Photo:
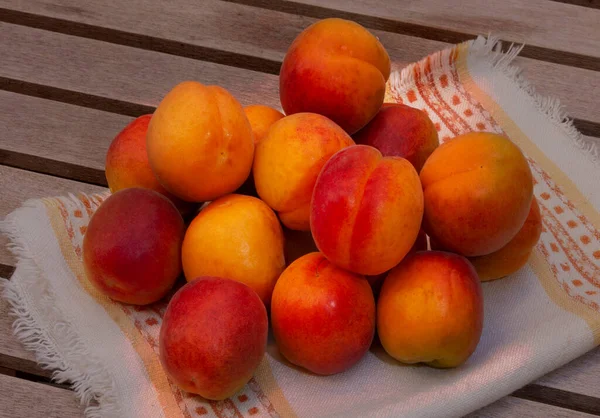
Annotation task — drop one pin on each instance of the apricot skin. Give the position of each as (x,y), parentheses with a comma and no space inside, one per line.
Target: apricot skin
(366,210)
(199,142)
(323,317)
(430,310)
(132,246)
(478,189)
(513,255)
(213,337)
(338,69)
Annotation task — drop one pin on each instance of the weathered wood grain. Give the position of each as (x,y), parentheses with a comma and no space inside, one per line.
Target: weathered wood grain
(6,258)
(584,3)
(540,23)
(509,407)
(13,356)
(234,28)
(560,398)
(582,375)
(23,399)
(117,72)
(61,135)
(58,131)
(20,185)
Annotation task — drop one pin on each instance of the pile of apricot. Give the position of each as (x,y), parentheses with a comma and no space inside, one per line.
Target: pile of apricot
(339,217)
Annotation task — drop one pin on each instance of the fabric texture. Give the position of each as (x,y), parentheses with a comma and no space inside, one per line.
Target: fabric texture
(536,320)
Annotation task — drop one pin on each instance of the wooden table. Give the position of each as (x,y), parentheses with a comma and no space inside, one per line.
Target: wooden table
(74,72)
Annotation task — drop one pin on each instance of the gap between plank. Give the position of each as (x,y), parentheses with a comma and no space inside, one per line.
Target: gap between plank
(264,65)
(94,176)
(561,398)
(90,101)
(594,4)
(420,31)
(6,271)
(53,168)
(45,380)
(122,107)
(588,128)
(134,40)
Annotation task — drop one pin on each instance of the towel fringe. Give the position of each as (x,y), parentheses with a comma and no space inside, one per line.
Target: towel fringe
(91,382)
(490,48)
(551,107)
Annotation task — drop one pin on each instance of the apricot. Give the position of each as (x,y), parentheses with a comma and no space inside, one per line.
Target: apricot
(213,337)
(288,161)
(338,69)
(132,246)
(377,281)
(261,118)
(366,210)
(199,142)
(237,237)
(515,254)
(478,189)
(323,317)
(402,131)
(430,310)
(127,163)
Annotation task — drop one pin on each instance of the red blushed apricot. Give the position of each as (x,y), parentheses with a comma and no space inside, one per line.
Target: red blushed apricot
(430,310)
(288,160)
(323,317)
(127,163)
(338,69)
(213,337)
(478,189)
(366,209)
(132,246)
(401,131)
(515,254)
(200,143)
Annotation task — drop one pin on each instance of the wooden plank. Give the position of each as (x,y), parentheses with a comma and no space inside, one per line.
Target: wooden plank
(584,3)
(509,407)
(560,398)
(13,356)
(573,86)
(23,399)
(58,131)
(582,375)
(19,185)
(540,23)
(106,70)
(234,28)
(26,399)
(61,132)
